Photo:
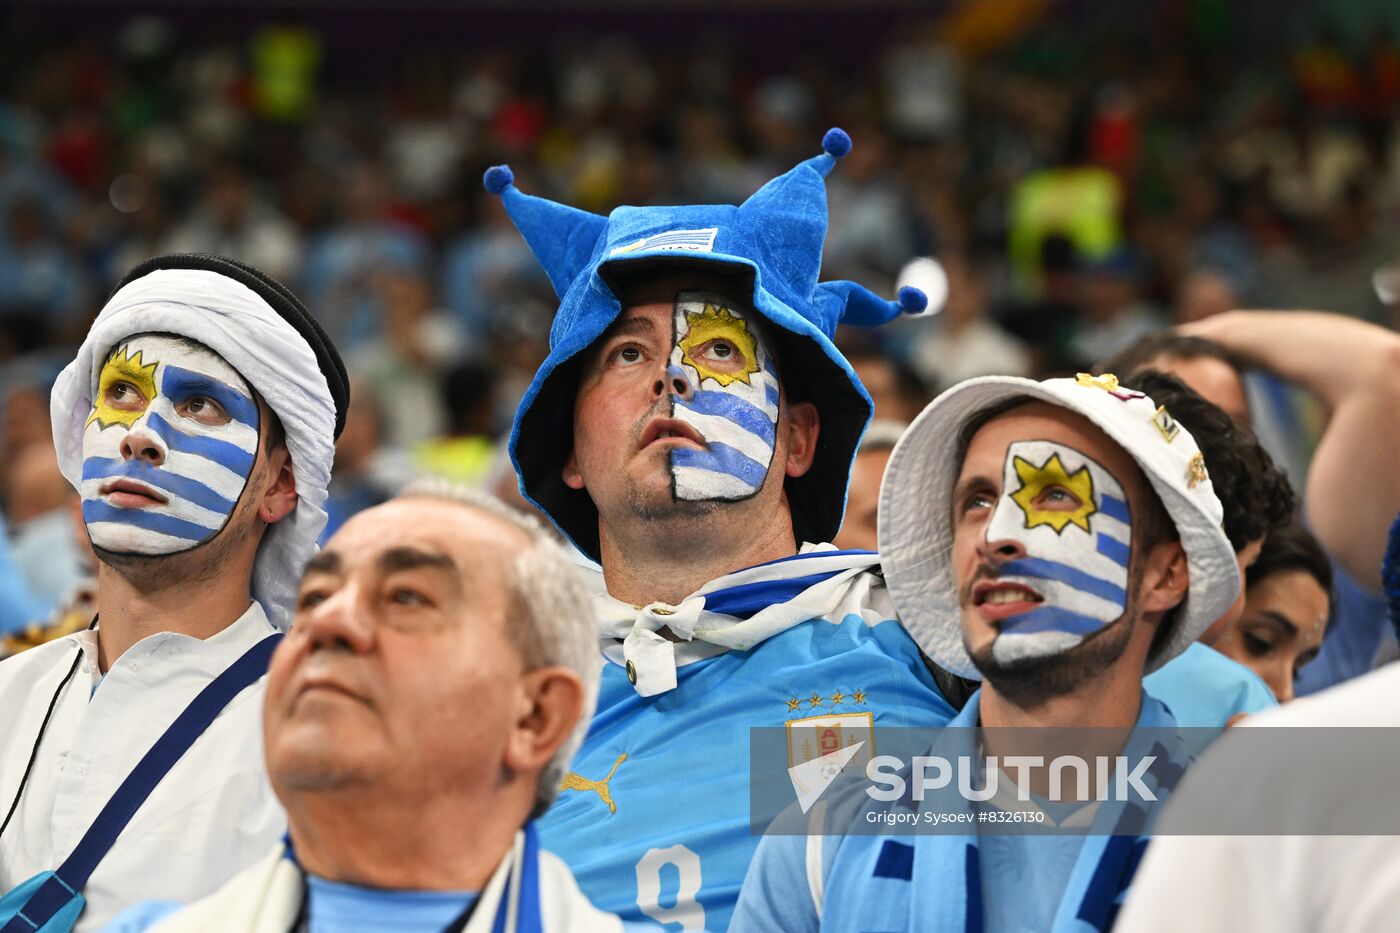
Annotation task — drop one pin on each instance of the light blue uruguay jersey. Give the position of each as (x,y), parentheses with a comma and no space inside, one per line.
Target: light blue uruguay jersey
(654,817)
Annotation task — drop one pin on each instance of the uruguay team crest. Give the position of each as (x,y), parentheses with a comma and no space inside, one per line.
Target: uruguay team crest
(817,736)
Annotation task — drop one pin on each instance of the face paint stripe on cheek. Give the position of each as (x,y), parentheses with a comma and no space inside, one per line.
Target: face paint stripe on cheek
(743,414)
(229,456)
(722,458)
(1114,550)
(1114,508)
(1052,619)
(1070,576)
(182,384)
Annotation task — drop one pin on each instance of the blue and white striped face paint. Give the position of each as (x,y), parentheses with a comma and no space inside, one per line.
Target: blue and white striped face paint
(1071,516)
(734,406)
(168,448)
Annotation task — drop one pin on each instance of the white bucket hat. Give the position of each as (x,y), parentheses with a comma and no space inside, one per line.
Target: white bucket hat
(915,524)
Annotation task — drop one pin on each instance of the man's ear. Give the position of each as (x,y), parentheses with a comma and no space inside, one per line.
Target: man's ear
(1164,577)
(570,474)
(803,428)
(280,497)
(551,699)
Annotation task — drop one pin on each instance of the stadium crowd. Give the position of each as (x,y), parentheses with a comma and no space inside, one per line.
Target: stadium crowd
(418,374)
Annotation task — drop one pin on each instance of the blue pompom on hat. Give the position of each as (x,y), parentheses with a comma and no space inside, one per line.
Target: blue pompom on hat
(773,241)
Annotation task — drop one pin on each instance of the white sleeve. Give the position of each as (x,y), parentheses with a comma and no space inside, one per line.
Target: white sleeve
(1212,884)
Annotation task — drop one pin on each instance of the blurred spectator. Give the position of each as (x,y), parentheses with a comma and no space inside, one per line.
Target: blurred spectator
(1114,311)
(24,422)
(483,268)
(231,219)
(863,497)
(465,454)
(1288,591)
(1081,203)
(365,472)
(401,366)
(1204,293)
(17,607)
(39,507)
(898,391)
(875,235)
(342,262)
(1205,366)
(38,274)
(964,341)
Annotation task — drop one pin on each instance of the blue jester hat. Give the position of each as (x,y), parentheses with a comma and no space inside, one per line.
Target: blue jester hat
(773,241)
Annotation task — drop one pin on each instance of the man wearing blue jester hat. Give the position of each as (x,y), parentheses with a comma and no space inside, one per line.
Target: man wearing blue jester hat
(1052,540)
(692,430)
(197,424)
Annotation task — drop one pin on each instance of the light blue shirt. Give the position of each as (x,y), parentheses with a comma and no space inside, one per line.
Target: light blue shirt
(1205,689)
(671,841)
(1024,878)
(1360,624)
(336,908)
(18,607)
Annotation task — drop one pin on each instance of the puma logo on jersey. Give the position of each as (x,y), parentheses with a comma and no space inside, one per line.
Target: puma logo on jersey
(575,781)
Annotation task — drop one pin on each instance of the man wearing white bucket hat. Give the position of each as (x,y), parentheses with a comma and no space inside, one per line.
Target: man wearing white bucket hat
(1057,540)
(197,423)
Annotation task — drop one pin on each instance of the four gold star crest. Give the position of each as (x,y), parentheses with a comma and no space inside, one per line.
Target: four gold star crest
(794,704)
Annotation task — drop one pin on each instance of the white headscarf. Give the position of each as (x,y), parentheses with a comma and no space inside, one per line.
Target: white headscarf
(235,322)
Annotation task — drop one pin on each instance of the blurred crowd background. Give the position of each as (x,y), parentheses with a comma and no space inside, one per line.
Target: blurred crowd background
(1084,174)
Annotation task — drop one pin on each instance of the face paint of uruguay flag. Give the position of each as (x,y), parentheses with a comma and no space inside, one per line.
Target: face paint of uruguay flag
(191,430)
(1071,516)
(734,406)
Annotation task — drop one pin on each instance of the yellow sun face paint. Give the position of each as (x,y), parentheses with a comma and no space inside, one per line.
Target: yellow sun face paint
(717,324)
(123,367)
(1037,481)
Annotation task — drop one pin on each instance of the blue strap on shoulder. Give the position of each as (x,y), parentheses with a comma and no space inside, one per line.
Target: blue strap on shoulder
(528,918)
(62,887)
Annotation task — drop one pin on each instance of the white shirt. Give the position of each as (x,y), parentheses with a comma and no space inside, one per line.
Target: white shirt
(212,815)
(1280,884)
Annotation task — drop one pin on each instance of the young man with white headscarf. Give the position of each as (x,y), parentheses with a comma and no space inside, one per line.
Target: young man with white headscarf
(197,423)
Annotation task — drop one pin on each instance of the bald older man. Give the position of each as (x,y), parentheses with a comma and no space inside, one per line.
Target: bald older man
(438,676)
